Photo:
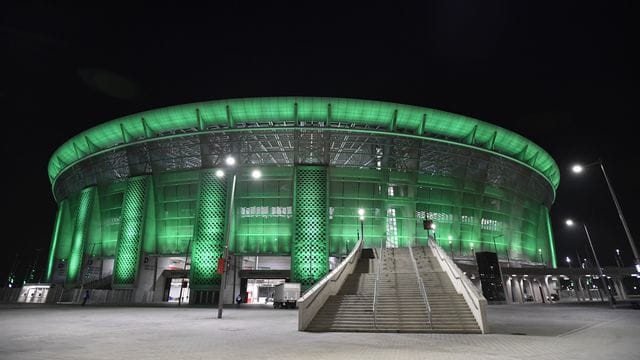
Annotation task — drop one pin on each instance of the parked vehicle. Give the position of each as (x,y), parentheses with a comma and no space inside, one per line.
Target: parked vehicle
(286,295)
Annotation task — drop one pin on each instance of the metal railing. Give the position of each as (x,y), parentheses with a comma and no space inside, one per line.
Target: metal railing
(329,285)
(458,276)
(375,287)
(471,294)
(423,290)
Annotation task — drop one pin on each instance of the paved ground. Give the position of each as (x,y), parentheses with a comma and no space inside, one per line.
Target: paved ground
(531,331)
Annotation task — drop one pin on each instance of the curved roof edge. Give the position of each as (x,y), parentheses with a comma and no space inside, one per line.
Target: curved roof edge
(295,111)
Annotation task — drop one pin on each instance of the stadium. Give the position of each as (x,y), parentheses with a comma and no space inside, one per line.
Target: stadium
(150,203)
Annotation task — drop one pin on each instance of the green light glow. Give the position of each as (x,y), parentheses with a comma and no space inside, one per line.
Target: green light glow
(552,246)
(228,113)
(310,252)
(191,205)
(54,241)
(130,236)
(208,239)
(80,230)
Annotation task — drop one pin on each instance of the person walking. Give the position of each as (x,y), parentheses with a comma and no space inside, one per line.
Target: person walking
(85,297)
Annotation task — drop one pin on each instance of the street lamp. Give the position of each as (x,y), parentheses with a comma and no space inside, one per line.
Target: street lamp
(619,259)
(569,222)
(361,215)
(541,258)
(256,174)
(578,169)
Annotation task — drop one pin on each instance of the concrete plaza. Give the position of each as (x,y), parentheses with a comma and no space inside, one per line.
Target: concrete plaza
(540,331)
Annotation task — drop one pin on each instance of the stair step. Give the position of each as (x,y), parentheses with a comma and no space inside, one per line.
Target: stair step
(399,304)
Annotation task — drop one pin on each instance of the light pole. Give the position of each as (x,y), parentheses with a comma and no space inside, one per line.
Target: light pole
(578,169)
(184,270)
(570,222)
(541,258)
(256,174)
(619,259)
(498,259)
(361,214)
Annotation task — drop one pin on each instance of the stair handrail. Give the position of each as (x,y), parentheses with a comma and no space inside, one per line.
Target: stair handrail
(375,287)
(460,281)
(307,307)
(423,290)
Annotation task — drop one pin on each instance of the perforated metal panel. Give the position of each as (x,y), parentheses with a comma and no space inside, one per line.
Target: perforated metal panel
(310,249)
(130,234)
(208,238)
(80,229)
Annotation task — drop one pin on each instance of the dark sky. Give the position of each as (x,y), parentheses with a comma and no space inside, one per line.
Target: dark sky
(563,74)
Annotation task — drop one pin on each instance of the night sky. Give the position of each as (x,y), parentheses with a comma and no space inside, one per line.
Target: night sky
(563,74)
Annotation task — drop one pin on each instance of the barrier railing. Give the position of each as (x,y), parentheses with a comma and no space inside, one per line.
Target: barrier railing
(314,298)
(375,287)
(474,298)
(423,290)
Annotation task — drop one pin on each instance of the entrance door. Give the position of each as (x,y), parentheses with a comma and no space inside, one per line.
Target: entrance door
(178,289)
(260,291)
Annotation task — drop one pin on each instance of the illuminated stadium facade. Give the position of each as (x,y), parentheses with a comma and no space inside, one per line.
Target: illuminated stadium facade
(138,192)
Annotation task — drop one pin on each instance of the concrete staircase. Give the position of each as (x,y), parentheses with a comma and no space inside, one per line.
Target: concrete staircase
(400,307)
(450,313)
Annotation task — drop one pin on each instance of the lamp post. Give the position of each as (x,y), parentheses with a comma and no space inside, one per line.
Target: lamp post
(497,258)
(570,222)
(541,258)
(256,174)
(361,215)
(578,169)
(619,259)
(184,270)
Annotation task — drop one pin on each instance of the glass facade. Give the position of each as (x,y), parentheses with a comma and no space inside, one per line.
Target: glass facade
(163,197)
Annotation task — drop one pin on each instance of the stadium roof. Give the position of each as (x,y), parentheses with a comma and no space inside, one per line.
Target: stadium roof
(282,112)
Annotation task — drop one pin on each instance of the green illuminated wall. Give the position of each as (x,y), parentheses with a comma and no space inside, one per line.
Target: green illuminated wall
(470,214)
(176,195)
(310,250)
(264,213)
(131,232)
(81,227)
(209,236)
(110,200)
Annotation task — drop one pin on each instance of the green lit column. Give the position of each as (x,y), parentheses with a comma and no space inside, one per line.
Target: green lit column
(80,230)
(129,242)
(54,241)
(209,231)
(310,247)
(552,246)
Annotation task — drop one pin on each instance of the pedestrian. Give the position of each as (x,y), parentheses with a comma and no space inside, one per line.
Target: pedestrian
(85,297)
(239,299)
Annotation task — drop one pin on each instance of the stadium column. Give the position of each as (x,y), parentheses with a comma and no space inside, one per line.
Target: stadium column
(208,235)
(54,241)
(80,230)
(129,243)
(552,247)
(310,247)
